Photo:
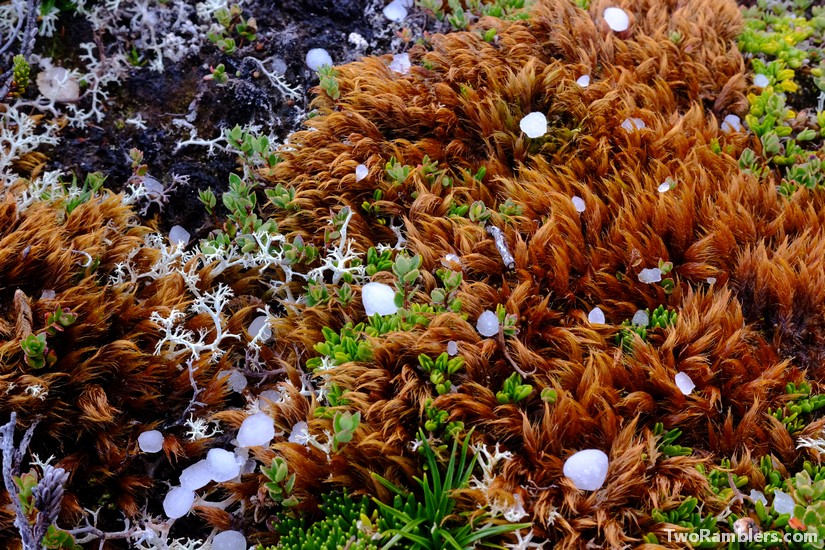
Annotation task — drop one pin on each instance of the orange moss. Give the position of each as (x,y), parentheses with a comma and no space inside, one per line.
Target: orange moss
(747,271)
(741,338)
(107,385)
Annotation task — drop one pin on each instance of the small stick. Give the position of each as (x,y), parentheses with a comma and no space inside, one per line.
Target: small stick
(501,244)
(503,344)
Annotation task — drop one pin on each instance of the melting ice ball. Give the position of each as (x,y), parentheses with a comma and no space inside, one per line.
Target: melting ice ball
(271,395)
(633,123)
(279,66)
(300,433)
(178,502)
(178,235)
(317,58)
(452,258)
(150,441)
(378,298)
(583,80)
(58,85)
(487,324)
(640,318)
(361,172)
(229,540)
(650,275)
(153,187)
(395,11)
(223,465)
(401,63)
(196,476)
(534,125)
(759,495)
(258,323)
(587,469)
(595,316)
(783,503)
(666,185)
(237,381)
(732,123)
(256,430)
(617,19)
(684,383)
(452,348)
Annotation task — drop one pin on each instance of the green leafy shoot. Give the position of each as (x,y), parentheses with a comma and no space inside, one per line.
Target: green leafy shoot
(344,425)
(280,483)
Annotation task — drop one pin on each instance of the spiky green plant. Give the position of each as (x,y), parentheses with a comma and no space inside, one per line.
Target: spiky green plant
(432,524)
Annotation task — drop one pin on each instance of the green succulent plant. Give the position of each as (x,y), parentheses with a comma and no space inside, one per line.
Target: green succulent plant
(345,524)
(440,370)
(20,72)
(785,43)
(437,421)
(803,403)
(689,517)
(344,425)
(36,352)
(810,507)
(661,317)
(667,442)
(720,478)
(513,390)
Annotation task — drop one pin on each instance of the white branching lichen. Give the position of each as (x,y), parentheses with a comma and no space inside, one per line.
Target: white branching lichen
(339,259)
(20,134)
(177,339)
(37,391)
(277,80)
(524,542)
(200,428)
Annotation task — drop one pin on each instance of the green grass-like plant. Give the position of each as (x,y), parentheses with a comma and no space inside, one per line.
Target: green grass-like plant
(433,525)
